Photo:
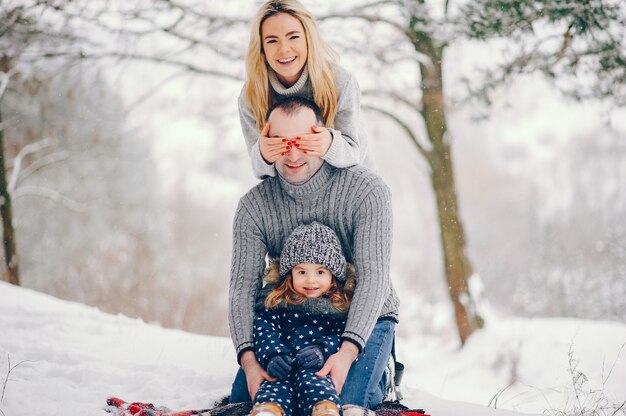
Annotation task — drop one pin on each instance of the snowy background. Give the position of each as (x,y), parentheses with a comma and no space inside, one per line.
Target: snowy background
(61,358)
(147,164)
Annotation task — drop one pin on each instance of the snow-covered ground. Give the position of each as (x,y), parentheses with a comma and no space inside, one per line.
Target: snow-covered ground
(526,365)
(61,358)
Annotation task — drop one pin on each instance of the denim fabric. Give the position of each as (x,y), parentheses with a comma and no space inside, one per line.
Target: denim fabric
(366,382)
(239,390)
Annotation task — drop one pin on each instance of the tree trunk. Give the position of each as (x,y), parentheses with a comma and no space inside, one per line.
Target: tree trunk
(12,274)
(458,268)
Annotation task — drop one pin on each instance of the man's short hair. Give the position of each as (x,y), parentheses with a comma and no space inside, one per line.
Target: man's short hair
(291,105)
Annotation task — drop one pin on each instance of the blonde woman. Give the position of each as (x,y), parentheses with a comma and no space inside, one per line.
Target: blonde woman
(287,57)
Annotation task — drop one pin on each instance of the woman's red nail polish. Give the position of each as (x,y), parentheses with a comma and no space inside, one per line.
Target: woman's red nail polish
(282,154)
(297,145)
(304,151)
(284,140)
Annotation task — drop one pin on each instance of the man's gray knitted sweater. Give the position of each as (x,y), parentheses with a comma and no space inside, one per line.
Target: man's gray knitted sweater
(355,203)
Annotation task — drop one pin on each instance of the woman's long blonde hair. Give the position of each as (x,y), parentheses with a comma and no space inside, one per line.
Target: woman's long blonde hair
(338,295)
(258,92)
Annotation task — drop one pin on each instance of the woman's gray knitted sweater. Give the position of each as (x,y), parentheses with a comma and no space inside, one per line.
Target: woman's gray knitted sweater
(355,203)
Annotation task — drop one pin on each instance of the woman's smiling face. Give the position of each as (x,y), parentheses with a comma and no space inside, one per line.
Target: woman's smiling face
(284,46)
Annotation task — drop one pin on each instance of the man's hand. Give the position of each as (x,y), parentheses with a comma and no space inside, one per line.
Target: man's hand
(272,148)
(255,374)
(316,143)
(339,364)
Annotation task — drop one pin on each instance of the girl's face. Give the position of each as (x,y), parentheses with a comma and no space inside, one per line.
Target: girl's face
(284,46)
(311,280)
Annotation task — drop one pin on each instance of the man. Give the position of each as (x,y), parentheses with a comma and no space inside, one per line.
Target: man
(356,204)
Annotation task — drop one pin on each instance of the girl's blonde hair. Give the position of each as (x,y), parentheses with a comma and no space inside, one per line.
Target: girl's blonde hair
(257,89)
(339,296)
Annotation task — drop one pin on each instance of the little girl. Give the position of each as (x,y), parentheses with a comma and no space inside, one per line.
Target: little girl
(287,56)
(292,345)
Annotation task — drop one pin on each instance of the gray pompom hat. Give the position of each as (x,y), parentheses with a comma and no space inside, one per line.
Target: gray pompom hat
(313,243)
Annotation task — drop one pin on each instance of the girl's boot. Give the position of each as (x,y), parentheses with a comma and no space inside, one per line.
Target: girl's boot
(267,409)
(325,408)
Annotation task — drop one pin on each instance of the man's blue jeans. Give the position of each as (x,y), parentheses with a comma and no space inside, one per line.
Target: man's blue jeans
(366,381)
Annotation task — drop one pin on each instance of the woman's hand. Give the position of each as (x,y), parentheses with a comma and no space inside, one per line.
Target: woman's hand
(316,143)
(272,148)
(255,374)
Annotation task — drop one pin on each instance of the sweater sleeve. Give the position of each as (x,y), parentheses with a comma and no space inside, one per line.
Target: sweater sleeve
(372,255)
(267,342)
(349,144)
(251,136)
(247,264)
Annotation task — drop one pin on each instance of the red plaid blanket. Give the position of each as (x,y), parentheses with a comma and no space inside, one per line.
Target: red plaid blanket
(118,407)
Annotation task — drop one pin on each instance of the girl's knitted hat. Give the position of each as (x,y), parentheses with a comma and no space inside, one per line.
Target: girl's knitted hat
(313,243)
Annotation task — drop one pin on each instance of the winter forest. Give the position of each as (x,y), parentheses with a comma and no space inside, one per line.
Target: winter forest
(124,159)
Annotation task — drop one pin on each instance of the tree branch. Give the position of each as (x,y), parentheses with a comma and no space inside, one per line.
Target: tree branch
(40,164)
(5,124)
(25,151)
(202,16)
(425,153)
(395,97)
(349,14)
(9,19)
(51,194)
(4,81)
(374,4)
(9,370)
(172,62)
(171,29)
(131,107)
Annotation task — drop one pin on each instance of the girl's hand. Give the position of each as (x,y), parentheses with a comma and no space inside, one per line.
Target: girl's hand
(272,148)
(279,366)
(311,357)
(316,143)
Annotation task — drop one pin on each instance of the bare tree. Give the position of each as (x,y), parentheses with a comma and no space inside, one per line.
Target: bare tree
(591,40)
(58,92)
(12,274)
(425,101)
(20,36)
(64,34)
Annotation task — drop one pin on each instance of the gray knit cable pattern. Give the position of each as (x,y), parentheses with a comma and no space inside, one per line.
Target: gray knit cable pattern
(353,202)
(313,243)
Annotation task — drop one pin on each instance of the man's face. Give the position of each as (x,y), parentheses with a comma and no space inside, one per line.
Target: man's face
(295,167)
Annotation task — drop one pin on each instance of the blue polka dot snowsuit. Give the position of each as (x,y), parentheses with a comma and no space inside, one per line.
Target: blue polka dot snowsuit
(285,331)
